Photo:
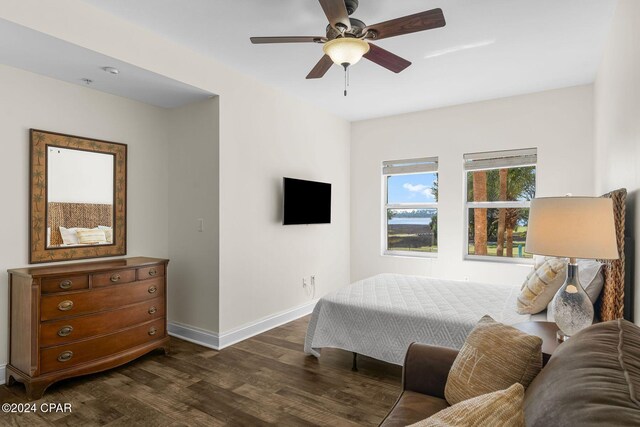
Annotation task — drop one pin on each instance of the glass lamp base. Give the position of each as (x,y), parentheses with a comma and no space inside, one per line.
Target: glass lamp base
(572,308)
(562,337)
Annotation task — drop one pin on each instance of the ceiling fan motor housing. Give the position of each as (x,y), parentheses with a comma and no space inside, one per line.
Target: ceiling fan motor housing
(357,27)
(352,5)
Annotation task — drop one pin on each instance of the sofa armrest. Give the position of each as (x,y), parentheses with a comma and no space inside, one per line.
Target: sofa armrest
(426,368)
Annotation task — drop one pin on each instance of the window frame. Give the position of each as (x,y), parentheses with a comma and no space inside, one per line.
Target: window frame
(386,206)
(497,204)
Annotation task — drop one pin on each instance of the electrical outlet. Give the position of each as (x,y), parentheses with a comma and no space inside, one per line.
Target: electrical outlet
(200,225)
(304,282)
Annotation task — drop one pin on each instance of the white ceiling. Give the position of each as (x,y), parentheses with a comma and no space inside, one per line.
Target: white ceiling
(489,48)
(33,51)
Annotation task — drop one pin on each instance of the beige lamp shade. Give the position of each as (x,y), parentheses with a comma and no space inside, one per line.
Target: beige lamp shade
(572,227)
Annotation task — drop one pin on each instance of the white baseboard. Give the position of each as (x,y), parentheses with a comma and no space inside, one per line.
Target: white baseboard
(219,341)
(3,373)
(195,335)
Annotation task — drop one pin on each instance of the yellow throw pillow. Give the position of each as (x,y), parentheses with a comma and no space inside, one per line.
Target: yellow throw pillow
(108,234)
(493,357)
(541,286)
(502,408)
(91,237)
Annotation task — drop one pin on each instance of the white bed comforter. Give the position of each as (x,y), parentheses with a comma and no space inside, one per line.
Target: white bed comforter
(380,316)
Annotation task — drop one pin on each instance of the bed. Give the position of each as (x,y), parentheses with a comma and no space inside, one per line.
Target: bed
(380,316)
(70,215)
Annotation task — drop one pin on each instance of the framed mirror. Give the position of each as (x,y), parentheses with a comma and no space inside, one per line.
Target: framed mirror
(78,198)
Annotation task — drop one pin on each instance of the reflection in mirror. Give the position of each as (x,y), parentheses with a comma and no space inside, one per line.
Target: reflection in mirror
(80,197)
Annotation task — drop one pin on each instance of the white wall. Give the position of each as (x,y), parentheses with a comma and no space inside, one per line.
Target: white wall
(559,123)
(32,101)
(194,194)
(264,135)
(262,261)
(617,117)
(76,176)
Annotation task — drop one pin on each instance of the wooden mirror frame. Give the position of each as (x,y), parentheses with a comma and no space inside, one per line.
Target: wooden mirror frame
(38,189)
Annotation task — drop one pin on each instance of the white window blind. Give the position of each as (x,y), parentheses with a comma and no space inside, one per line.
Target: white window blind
(501,159)
(423,165)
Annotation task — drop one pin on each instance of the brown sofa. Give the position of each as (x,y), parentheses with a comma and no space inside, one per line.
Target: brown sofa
(591,380)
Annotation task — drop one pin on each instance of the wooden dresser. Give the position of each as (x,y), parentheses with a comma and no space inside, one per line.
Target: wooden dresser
(76,319)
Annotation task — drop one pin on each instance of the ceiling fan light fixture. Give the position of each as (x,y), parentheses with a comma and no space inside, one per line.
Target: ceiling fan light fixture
(346,50)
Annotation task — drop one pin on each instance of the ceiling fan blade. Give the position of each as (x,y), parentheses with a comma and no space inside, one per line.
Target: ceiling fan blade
(336,12)
(386,59)
(287,39)
(409,24)
(321,68)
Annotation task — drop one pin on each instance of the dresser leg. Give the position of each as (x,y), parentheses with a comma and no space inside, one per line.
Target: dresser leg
(35,390)
(166,350)
(10,380)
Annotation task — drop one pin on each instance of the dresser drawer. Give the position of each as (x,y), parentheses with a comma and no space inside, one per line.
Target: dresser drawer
(95,300)
(68,355)
(113,278)
(149,272)
(69,330)
(64,284)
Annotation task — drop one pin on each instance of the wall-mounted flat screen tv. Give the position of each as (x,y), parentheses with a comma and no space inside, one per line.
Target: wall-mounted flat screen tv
(306,202)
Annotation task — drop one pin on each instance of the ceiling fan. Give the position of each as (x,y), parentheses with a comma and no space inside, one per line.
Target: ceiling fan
(347,39)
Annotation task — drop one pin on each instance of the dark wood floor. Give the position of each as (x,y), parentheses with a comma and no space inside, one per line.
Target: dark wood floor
(266,380)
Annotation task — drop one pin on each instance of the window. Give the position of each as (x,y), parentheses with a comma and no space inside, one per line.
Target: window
(410,211)
(499,188)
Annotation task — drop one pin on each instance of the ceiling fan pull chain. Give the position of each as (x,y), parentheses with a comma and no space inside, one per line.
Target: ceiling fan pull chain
(346,78)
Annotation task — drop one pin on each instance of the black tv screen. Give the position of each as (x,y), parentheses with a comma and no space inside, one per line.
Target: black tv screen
(306,202)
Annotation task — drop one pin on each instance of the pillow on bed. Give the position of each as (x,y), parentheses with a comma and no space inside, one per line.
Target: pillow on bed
(493,357)
(504,408)
(92,236)
(108,232)
(70,235)
(591,277)
(541,285)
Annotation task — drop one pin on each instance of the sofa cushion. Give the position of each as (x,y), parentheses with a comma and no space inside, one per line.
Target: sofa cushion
(591,380)
(493,357)
(501,408)
(412,407)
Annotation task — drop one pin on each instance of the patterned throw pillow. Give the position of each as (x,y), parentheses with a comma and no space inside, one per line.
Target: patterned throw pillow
(108,232)
(502,408)
(70,235)
(92,236)
(541,285)
(493,357)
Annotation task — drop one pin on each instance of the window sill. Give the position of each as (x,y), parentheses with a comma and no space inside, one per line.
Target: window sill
(501,260)
(402,254)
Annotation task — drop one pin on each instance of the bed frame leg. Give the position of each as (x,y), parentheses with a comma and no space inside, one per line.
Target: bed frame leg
(354,367)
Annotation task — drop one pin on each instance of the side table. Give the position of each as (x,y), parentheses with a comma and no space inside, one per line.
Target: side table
(546,331)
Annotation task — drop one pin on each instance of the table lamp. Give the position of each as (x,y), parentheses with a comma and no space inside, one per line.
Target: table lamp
(572,227)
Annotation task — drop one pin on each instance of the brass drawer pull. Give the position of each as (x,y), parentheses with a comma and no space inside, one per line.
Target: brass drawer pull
(65,305)
(65,356)
(152,310)
(153,272)
(152,331)
(66,284)
(115,277)
(65,331)
(152,289)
